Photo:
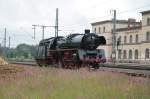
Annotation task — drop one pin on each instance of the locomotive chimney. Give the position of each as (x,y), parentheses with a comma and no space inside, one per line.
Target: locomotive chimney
(87,31)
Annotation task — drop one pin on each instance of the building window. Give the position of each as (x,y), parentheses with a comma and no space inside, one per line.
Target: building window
(125,39)
(147,54)
(119,41)
(124,54)
(104,29)
(137,38)
(130,38)
(147,36)
(95,30)
(115,39)
(99,30)
(130,54)
(136,54)
(148,21)
(119,54)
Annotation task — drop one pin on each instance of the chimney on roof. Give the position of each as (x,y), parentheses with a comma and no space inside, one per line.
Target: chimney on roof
(131,22)
(141,23)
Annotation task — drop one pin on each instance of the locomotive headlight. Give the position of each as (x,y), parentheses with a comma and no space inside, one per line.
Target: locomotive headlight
(75,57)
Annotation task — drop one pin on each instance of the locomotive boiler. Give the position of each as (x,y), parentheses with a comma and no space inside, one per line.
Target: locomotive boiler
(73,51)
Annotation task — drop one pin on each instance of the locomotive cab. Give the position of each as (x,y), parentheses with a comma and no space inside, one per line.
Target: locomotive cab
(42,52)
(45,51)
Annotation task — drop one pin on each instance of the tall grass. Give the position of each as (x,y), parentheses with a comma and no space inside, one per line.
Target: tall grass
(50,83)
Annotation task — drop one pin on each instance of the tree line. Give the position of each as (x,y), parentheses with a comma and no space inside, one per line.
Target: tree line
(22,51)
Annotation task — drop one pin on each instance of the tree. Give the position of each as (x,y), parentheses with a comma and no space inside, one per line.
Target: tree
(21,51)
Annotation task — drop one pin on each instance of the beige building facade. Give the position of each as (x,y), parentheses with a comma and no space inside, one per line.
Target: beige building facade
(132,38)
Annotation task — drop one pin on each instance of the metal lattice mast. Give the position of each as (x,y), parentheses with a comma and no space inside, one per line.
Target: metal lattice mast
(114,37)
(56,23)
(5,38)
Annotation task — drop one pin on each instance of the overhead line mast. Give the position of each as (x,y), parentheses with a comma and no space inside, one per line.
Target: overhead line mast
(5,38)
(43,26)
(56,23)
(43,29)
(114,37)
(9,41)
(34,27)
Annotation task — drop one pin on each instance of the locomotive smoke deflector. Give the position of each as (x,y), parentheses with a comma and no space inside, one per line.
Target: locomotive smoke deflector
(87,31)
(92,41)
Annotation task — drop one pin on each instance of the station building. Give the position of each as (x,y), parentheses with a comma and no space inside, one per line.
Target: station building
(133,37)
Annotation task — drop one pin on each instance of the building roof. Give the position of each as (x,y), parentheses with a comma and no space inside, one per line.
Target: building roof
(110,21)
(145,12)
(128,29)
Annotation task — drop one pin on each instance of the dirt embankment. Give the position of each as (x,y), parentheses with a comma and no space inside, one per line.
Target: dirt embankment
(6,68)
(2,61)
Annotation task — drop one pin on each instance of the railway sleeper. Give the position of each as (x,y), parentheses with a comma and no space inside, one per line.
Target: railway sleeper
(138,75)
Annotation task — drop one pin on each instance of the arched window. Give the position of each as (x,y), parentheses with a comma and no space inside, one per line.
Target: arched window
(124,54)
(136,54)
(147,36)
(95,30)
(130,54)
(99,30)
(147,54)
(104,29)
(125,39)
(119,39)
(137,38)
(130,38)
(148,21)
(119,54)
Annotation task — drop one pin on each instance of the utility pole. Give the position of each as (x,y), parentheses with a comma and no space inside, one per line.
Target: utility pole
(43,29)
(5,38)
(34,27)
(43,26)
(56,23)
(9,42)
(114,37)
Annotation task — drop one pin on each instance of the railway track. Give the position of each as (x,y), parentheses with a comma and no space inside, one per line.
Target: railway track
(142,70)
(130,72)
(129,69)
(28,63)
(129,66)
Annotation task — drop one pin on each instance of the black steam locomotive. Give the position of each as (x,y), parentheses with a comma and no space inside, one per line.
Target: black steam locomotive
(73,51)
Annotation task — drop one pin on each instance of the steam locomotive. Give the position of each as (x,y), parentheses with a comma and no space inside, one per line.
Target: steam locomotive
(73,51)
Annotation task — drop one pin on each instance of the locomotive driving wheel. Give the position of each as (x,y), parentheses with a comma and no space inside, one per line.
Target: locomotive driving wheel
(93,66)
(70,65)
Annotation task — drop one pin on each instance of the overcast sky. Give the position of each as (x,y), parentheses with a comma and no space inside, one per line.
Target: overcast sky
(74,16)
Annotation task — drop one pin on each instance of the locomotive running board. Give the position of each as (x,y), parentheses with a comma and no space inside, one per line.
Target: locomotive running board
(63,50)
